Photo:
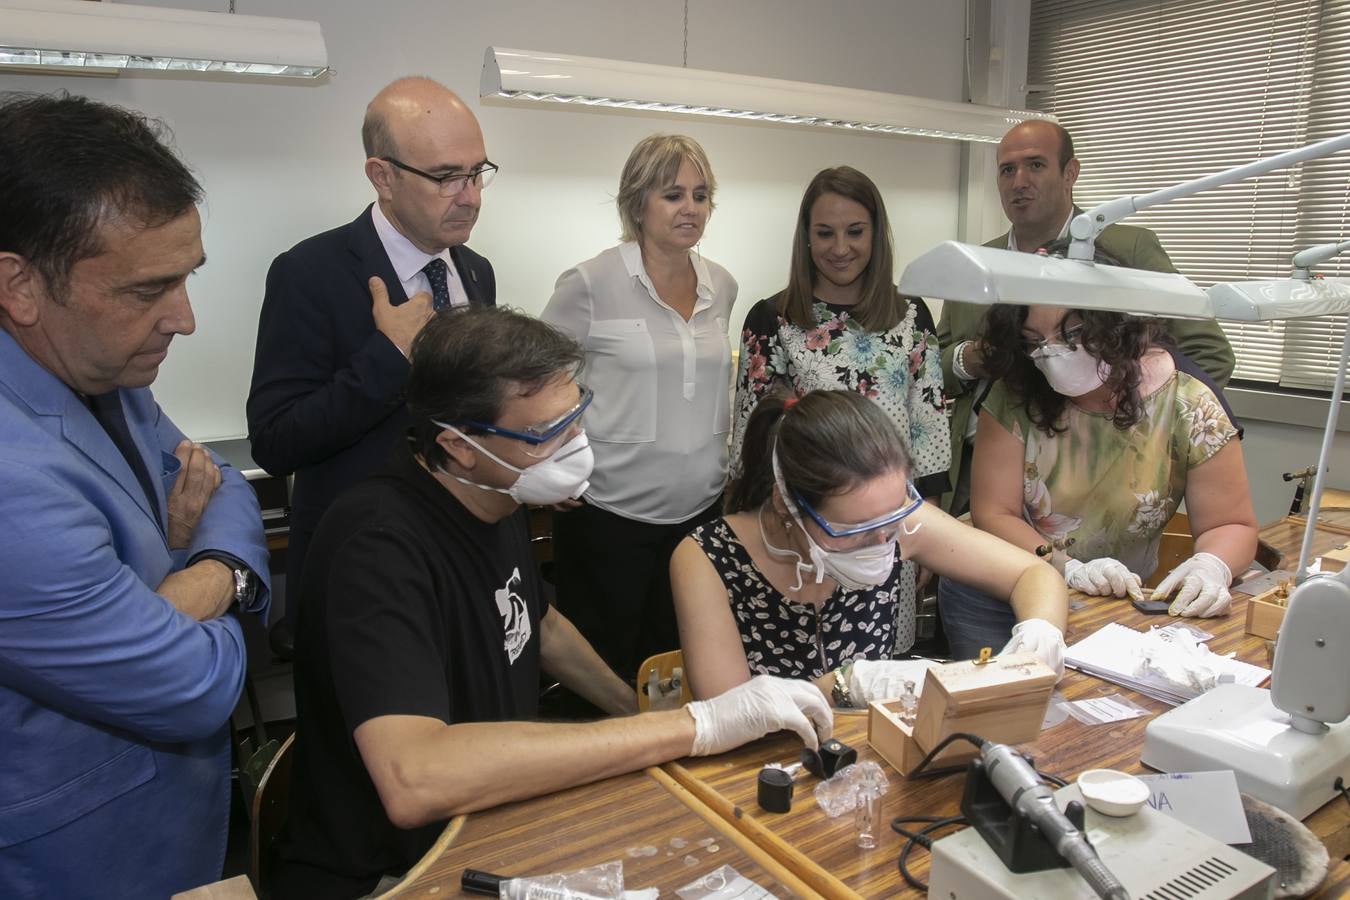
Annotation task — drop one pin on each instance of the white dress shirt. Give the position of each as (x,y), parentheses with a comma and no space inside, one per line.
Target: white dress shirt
(662,408)
(408,261)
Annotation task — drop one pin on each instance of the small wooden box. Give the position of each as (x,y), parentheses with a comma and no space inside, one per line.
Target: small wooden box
(894,741)
(1265,614)
(1003,700)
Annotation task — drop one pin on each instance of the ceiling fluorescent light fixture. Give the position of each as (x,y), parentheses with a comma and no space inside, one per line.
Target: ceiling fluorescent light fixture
(78,37)
(528,76)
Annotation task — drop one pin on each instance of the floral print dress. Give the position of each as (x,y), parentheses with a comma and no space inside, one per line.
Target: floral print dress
(794,640)
(1113,490)
(901,369)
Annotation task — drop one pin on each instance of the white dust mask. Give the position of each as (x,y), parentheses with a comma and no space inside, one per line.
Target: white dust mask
(563,476)
(855,569)
(1074,373)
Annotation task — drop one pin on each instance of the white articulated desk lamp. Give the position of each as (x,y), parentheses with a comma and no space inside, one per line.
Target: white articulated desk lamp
(1287,745)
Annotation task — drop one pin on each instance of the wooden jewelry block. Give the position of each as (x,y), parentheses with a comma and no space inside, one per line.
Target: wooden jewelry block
(894,741)
(1265,611)
(1003,699)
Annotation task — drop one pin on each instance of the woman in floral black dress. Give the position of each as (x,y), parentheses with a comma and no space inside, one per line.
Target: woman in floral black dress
(802,577)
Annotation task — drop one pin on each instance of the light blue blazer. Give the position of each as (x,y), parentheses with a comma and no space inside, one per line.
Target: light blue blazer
(114,750)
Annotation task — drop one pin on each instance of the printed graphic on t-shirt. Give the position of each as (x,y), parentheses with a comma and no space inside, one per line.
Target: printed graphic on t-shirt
(515,618)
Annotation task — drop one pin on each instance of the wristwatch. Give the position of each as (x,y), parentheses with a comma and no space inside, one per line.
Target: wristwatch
(245,582)
(245,586)
(840,694)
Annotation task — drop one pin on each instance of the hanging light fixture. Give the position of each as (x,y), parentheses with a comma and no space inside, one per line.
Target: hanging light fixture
(529,76)
(75,37)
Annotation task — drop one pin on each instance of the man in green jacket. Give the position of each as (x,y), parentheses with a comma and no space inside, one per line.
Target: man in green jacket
(1036,174)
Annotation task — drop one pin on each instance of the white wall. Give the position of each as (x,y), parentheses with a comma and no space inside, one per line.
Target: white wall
(1272,448)
(281,162)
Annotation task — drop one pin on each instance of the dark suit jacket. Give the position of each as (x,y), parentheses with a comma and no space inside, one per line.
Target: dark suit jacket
(327,397)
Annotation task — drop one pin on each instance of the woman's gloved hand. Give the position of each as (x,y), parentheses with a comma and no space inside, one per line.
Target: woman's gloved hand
(1103,577)
(884,679)
(1203,581)
(1041,638)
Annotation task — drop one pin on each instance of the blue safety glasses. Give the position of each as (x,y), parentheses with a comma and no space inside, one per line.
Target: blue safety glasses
(542,441)
(839,531)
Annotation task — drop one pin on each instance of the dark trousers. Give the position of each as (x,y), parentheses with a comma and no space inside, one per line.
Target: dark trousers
(613,579)
(973,620)
(961,490)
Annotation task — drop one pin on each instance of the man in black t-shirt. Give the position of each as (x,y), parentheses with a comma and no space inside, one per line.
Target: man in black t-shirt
(423,626)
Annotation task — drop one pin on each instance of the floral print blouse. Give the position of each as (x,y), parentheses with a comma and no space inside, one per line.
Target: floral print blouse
(901,369)
(795,640)
(1113,490)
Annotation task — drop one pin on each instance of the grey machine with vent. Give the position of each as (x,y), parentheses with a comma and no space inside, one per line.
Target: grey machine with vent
(1154,856)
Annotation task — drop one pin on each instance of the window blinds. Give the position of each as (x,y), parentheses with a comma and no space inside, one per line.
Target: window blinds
(1160,92)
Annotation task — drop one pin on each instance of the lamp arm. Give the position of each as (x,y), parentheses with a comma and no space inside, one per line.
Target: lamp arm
(1304,260)
(1086,226)
(1323,462)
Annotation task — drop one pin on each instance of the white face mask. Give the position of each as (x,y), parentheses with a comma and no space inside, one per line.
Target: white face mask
(563,476)
(855,569)
(1073,373)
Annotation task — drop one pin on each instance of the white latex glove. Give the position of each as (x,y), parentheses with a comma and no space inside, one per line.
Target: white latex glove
(1041,638)
(884,679)
(1103,577)
(760,706)
(1204,580)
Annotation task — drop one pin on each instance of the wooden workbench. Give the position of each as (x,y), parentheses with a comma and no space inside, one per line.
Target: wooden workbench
(804,852)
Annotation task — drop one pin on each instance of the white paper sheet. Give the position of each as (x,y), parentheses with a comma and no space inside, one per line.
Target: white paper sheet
(1110,654)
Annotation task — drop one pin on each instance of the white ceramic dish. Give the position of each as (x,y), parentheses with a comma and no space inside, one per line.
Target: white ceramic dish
(1112,793)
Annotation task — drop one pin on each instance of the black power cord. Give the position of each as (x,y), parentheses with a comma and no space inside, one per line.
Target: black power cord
(1344,791)
(923,836)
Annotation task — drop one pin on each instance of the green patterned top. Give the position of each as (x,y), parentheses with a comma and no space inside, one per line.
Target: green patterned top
(1113,490)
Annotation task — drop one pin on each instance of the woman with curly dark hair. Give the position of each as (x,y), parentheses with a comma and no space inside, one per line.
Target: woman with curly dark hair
(1086,447)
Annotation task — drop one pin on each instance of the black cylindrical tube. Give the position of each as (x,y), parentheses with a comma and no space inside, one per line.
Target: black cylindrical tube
(775,790)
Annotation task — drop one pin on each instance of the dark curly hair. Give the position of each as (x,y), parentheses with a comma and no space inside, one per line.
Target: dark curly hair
(1117,339)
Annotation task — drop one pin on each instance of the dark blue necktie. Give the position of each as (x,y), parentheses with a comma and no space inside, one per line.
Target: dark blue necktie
(107,409)
(440,288)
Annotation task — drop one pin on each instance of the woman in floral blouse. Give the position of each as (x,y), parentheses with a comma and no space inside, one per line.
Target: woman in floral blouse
(840,323)
(1086,448)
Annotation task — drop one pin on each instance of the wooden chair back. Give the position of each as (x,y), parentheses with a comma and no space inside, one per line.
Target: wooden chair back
(271,805)
(661,682)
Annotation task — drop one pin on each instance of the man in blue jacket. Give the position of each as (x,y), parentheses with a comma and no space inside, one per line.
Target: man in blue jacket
(127,548)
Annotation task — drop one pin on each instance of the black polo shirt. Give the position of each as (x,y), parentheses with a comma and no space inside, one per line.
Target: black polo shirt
(411,606)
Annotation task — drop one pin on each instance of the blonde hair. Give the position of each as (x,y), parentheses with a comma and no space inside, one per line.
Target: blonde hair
(654,163)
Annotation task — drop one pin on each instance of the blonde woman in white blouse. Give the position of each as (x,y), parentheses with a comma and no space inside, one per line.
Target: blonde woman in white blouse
(652,314)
